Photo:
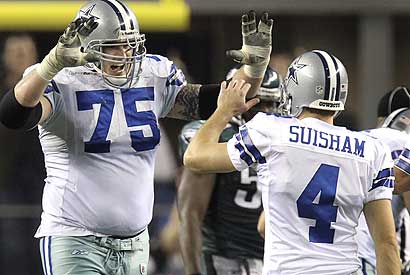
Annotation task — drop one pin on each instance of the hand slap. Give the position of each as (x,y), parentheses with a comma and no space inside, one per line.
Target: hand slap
(232,98)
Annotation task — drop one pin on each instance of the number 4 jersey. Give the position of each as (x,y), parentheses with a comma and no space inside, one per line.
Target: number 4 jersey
(315,179)
(99,145)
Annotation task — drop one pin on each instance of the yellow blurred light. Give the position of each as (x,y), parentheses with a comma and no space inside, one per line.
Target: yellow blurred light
(163,15)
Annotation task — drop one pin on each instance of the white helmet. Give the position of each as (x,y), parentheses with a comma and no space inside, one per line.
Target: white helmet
(117,26)
(317,80)
(398,120)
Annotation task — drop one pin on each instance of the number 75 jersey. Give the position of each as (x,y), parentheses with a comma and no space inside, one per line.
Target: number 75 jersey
(315,179)
(99,145)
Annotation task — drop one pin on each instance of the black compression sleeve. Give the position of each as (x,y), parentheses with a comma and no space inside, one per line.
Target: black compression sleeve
(15,116)
(208,97)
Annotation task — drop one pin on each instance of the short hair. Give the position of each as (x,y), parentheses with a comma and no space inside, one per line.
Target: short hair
(395,99)
(319,111)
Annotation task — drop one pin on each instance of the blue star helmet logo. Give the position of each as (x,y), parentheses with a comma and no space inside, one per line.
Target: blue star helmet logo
(87,13)
(293,69)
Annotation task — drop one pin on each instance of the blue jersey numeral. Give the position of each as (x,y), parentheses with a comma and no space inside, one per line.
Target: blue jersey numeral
(144,131)
(324,182)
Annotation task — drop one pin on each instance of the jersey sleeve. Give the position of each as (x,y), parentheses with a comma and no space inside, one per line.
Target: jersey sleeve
(52,94)
(403,162)
(383,176)
(251,145)
(174,80)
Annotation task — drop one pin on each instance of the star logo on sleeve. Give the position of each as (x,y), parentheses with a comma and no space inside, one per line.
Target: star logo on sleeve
(293,69)
(87,13)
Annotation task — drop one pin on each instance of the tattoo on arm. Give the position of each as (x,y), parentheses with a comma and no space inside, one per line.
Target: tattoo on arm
(186,105)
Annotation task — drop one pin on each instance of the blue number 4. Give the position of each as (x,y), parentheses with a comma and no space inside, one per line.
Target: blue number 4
(324,182)
(144,130)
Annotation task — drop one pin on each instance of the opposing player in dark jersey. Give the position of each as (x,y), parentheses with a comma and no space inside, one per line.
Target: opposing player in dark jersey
(219,212)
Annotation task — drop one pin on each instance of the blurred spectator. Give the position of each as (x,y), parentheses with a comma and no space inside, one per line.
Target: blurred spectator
(19,191)
(19,52)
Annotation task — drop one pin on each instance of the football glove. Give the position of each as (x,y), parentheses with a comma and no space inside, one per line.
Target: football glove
(68,51)
(256,44)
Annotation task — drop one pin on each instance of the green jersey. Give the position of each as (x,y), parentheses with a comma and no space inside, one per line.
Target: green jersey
(230,225)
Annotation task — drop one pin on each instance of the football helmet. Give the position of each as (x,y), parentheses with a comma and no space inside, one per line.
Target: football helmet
(398,120)
(117,26)
(317,80)
(269,92)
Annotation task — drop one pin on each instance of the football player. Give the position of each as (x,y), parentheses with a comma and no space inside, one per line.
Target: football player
(394,129)
(316,178)
(97,97)
(219,212)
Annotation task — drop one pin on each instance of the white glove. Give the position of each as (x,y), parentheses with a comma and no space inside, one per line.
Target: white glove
(68,51)
(256,44)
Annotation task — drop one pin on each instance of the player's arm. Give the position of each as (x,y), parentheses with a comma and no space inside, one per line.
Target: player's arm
(402,172)
(25,106)
(193,198)
(380,221)
(261,224)
(199,101)
(204,153)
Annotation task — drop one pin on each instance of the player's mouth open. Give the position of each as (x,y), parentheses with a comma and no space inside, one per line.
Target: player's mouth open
(117,68)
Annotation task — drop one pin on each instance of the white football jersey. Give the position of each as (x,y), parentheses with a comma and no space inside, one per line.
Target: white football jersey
(315,179)
(99,145)
(396,141)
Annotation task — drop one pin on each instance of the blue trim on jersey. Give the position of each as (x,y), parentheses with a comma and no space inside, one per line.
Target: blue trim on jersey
(56,89)
(49,89)
(396,154)
(243,154)
(172,78)
(156,58)
(383,182)
(388,172)
(406,153)
(250,146)
(404,165)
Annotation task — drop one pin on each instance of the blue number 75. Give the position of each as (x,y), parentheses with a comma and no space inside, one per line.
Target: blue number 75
(144,130)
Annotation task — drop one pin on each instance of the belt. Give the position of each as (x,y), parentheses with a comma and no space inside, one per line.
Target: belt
(128,237)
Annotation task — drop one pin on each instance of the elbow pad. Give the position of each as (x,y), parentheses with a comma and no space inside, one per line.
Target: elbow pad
(208,99)
(13,115)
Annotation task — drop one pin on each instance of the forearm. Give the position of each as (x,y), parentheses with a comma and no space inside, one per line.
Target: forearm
(190,242)
(30,89)
(402,181)
(202,151)
(255,82)
(387,258)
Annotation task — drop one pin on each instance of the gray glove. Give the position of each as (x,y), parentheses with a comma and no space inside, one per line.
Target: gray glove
(256,44)
(68,51)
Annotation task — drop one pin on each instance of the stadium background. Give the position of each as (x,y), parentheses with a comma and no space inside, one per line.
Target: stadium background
(371,37)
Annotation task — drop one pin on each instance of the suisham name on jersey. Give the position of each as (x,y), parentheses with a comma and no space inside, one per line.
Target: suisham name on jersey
(309,136)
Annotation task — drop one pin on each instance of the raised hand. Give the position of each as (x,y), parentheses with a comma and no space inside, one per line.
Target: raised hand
(232,98)
(68,51)
(256,42)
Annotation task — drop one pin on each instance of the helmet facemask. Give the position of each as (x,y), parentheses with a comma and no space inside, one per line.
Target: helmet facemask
(131,63)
